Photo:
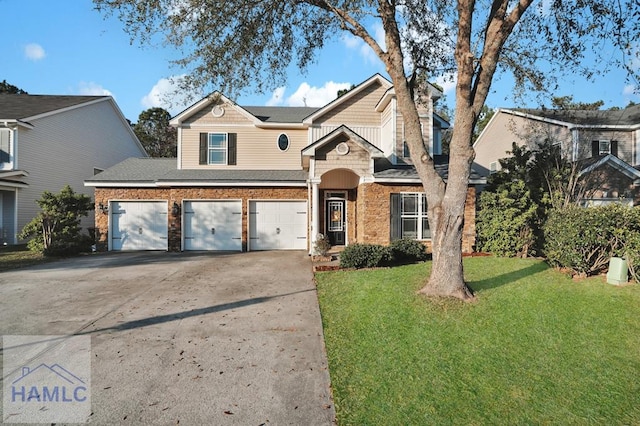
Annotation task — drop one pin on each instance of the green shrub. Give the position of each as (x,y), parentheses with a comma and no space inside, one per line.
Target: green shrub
(365,256)
(584,239)
(56,229)
(506,220)
(406,250)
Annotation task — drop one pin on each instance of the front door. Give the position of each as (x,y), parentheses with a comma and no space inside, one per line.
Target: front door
(336,223)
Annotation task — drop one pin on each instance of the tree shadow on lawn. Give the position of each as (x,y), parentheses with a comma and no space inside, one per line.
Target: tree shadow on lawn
(495,281)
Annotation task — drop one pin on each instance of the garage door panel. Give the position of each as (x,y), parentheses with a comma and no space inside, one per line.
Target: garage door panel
(213,225)
(278,225)
(137,225)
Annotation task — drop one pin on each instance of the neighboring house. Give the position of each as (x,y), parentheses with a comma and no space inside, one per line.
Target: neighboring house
(604,145)
(47,142)
(263,178)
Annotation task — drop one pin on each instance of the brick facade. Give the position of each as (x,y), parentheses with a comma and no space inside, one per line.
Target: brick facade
(177,195)
(374,204)
(368,209)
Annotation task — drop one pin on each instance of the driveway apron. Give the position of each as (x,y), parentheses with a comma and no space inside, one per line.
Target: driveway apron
(185,338)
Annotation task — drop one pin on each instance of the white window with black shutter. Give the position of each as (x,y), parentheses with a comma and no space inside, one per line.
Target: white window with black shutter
(409,216)
(604,147)
(218,148)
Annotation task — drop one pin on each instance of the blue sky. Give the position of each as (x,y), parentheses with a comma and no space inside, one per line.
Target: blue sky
(65,47)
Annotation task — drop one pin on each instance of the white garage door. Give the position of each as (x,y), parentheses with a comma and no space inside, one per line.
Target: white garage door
(213,225)
(278,225)
(139,225)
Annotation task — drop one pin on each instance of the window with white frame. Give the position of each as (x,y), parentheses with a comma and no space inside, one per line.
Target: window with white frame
(5,145)
(604,147)
(217,148)
(413,216)
(493,167)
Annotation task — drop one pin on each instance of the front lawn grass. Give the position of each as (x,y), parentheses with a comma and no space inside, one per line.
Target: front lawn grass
(19,256)
(535,348)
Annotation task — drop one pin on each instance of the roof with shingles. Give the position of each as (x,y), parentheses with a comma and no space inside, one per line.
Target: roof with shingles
(625,117)
(150,170)
(386,171)
(20,107)
(270,114)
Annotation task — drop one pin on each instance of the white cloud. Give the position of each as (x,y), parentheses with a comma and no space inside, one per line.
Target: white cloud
(89,88)
(312,96)
(277,97)
(167,94)
(447,82)
(34,52)
(357,44)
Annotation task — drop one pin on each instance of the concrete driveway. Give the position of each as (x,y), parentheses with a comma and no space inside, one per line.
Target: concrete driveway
(179,338)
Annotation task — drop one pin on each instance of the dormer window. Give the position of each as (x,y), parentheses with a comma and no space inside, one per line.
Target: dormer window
(283,142)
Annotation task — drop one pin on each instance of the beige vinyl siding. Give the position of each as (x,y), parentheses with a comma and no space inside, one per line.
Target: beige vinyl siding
(204,117)
(504,129)
(624,138)
(64,149)
(257,149)
(370,133)
(388,138)
(358,110)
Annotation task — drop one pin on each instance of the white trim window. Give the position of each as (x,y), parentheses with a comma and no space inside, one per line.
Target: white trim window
(409,216)
(217,148)
(604,147)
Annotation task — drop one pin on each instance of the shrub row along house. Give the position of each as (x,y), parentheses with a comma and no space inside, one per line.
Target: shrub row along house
(265,178)
(603,145)
(47,142)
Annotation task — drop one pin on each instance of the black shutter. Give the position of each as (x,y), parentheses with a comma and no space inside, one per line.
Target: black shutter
(204,148)
(232,142)
(614,148)
(595,148)
(395,217)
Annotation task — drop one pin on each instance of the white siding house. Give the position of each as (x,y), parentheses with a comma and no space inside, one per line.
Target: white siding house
(47,142)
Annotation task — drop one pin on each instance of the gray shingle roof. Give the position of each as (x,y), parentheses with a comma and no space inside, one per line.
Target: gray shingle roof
(384,170)
(20,107)
(625,117)
(150,170)
(280,114)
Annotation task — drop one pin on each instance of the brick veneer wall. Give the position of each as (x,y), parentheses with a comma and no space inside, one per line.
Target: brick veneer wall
(104,195)
(374,204)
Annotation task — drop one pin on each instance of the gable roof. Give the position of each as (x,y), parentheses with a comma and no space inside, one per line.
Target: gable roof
(27,107)
(620,165)
(628,117)
(376,78)
(280,114)
(343,130)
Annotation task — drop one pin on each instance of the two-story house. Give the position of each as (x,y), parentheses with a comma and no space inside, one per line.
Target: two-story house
(47,142)
(604,145)
(263,178)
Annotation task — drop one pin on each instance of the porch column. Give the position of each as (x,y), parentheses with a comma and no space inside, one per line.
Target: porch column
(315,213)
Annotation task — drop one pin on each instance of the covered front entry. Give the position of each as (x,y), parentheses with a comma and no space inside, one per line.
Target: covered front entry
(336,217)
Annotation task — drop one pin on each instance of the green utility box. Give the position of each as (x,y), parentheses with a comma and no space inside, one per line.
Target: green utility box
(618,270)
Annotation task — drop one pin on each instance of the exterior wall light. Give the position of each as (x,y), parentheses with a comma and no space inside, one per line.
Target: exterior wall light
(103,208)
(175,210)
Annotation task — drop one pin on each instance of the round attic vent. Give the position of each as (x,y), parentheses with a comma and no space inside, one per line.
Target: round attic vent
(217,111)
(342,148)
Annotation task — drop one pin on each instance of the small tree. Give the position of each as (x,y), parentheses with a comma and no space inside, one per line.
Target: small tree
(157,137)
(56,229)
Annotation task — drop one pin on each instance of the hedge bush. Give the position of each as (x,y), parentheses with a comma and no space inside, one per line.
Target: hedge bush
(406,250)
(507,220)
(584,239)
(365,256)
